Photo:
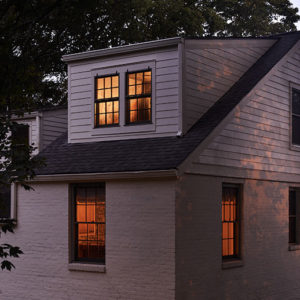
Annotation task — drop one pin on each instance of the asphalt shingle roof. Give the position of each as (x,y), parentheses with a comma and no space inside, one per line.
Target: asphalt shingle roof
(159,153)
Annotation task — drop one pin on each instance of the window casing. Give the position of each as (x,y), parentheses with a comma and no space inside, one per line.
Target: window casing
(88,223)
(107,100)
(5,202)
(130,129)
(295,95)
(294,216)
(138,97)
(231,195)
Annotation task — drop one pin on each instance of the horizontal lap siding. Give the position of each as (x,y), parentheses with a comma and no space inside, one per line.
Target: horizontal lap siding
(81,94)
(258,137)
(53,124)
(209,73)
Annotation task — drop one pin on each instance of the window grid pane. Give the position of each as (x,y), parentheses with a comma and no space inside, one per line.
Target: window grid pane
(295,116)
(138,97)
(107,101)
(292,216)
(230,222)
(89,223)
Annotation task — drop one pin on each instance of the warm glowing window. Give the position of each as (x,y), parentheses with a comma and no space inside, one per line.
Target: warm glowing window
(292,217)
(296,117)
(89,223)
(230,221)
(107,101)
(138,97)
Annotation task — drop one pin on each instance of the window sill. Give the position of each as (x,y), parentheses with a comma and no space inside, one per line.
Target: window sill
(125,129)
(87,267)
(107,126)
(294,147)
(5,221)
(230,264)
(294,247)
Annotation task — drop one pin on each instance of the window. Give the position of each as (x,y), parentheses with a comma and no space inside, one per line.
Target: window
(294,211)
(107,101)
(5,199)
(88,223)
(138,97)
(20,134)
(295,116)
(230,221)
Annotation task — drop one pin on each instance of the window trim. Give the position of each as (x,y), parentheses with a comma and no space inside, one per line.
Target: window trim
(293,246)
(292,86)
(294,216)
(238,256)
(13,205)
(122,67)
(106,100)
(127,97)
(72,214)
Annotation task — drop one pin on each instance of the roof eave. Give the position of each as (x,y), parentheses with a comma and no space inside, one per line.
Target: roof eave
(106,176)
(122,49)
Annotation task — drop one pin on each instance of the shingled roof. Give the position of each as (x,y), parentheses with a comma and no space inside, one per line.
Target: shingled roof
(159,153)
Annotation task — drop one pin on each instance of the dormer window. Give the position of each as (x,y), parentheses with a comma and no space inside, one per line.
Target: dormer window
(123,100)
(138,97)
(107,101)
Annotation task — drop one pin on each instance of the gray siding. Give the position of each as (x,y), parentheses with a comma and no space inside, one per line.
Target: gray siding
(165,96)
(211,68)
(258,136)
(53,124)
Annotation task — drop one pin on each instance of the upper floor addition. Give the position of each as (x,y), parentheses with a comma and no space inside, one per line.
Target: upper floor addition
(153,89)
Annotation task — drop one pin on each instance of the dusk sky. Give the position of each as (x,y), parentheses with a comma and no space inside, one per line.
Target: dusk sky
(297,4)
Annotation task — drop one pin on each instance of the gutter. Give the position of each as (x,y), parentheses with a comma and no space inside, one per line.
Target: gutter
(122,49)
(105,176)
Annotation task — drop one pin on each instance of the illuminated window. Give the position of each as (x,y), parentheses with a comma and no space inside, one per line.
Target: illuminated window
(296,117)
(230,221)
(88,223)
(138,97)
(107,101)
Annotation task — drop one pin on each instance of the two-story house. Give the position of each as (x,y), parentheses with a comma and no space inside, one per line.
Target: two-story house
(178,178)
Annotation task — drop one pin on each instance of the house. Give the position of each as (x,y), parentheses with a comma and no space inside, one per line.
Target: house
(178,178)
(40,128)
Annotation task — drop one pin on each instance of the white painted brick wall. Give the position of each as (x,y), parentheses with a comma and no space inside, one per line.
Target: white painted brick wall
(269,270)
(140,248)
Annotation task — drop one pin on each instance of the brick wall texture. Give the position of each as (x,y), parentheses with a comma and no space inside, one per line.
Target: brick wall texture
(140,249)
(269,270)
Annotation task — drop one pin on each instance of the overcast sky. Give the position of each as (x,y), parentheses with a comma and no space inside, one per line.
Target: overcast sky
(296,3)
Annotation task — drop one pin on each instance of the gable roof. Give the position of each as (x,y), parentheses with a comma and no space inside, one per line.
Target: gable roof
(159,153)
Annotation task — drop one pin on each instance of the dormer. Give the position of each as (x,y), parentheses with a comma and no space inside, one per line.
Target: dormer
(42,127)
(152,89)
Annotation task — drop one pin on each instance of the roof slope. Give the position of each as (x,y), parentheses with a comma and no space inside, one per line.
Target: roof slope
(159,153)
